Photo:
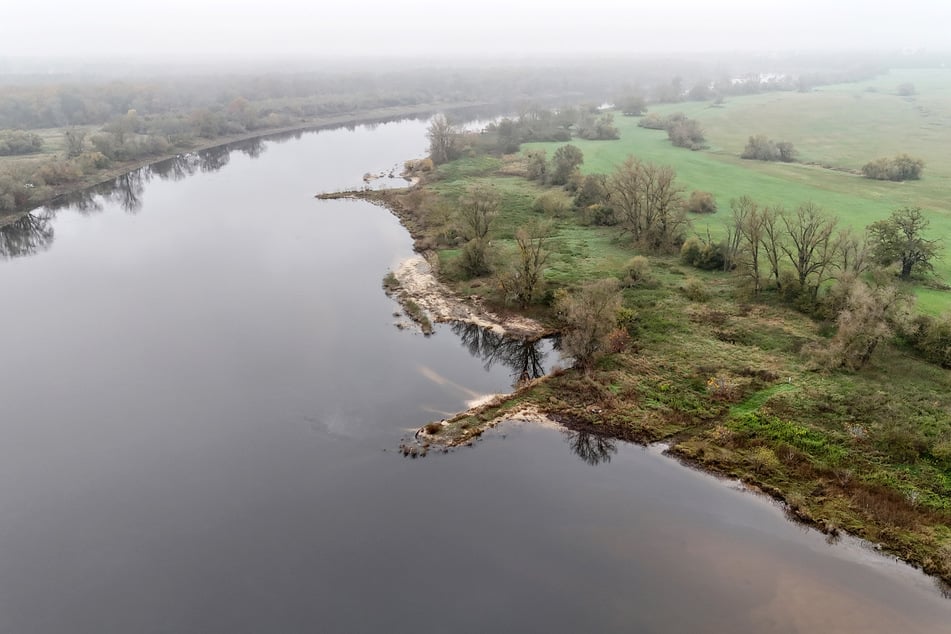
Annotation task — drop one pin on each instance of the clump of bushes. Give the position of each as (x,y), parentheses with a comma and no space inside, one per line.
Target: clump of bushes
(653,121)
(684,132)
(701,202)
(14,142)
(702,254)
(900,168)
(761,148)
(681,131)
(931,338)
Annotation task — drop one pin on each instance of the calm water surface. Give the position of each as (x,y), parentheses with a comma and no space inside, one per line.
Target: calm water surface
(202,391)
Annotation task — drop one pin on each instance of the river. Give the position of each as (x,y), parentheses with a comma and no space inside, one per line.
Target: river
(203,390)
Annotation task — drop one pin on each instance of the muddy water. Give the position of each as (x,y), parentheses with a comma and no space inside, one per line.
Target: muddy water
(202,389)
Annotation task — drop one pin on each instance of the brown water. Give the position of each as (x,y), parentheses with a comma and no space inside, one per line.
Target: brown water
(202,390)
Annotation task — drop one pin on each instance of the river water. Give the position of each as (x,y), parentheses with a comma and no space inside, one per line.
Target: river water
(202,393)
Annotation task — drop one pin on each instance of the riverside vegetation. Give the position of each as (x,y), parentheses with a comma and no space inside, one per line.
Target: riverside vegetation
(773,337)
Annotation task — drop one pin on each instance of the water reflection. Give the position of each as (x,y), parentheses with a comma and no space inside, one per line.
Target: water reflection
(526,359)
(591,448)
(127,190)
(213,159)
(27,235)
(177,167)
(34,232)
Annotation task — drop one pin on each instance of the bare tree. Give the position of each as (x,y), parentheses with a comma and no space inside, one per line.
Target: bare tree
(853,253)
(649,203)
(522,281)
(748,227)
(772,240)
(477,209)
(75,142)
(443,139)
(812,248)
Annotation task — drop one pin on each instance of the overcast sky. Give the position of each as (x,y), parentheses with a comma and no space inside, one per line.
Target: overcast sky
(247,28)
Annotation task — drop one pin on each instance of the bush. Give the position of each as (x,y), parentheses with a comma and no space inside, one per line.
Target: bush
(473,259)
(695,290)
(941,452)
(763,459)
(702,254)
(601,215)
(701,202)
(593,190)
(653,121)
(931,339)
(551,204)
(900,168)
(589,318)
(684,132)
(19,142)
(636,271)
(902,442)
(618,340)
(761,148)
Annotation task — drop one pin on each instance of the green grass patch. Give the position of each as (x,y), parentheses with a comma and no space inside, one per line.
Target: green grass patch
(842,126)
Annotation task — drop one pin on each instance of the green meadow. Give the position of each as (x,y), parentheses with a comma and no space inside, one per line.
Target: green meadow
(835,129)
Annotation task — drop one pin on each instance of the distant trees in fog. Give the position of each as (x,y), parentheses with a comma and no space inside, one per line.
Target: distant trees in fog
(19,142)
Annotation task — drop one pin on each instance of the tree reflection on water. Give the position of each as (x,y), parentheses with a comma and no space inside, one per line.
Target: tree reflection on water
(525,359)
(591,448)
(29,234)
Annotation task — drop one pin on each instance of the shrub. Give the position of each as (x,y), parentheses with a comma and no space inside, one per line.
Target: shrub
(473,259)
(601,215)
(626,318)
(636,271)
(618,340)
(19,142)
(702,254)
(593,190)
(903,442)
(686,133)
(551,204)
(589,317)
(763,459)
(701,202)
(941,452)
(695,290)
(761,148)
(901,168)
(653,121)
(931,338)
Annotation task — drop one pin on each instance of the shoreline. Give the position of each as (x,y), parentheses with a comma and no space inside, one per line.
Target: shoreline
(315,124)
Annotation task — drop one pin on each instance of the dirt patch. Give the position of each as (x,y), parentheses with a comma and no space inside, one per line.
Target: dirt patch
(418,284)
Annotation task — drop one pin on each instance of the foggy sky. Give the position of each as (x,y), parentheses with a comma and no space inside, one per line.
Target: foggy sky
(494,28)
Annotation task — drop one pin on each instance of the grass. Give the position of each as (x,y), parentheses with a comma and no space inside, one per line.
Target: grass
(842,126)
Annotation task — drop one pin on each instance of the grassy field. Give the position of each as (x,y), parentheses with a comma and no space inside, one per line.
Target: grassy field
(842,126)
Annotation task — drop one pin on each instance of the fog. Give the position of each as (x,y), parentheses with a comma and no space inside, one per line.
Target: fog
(110,30)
